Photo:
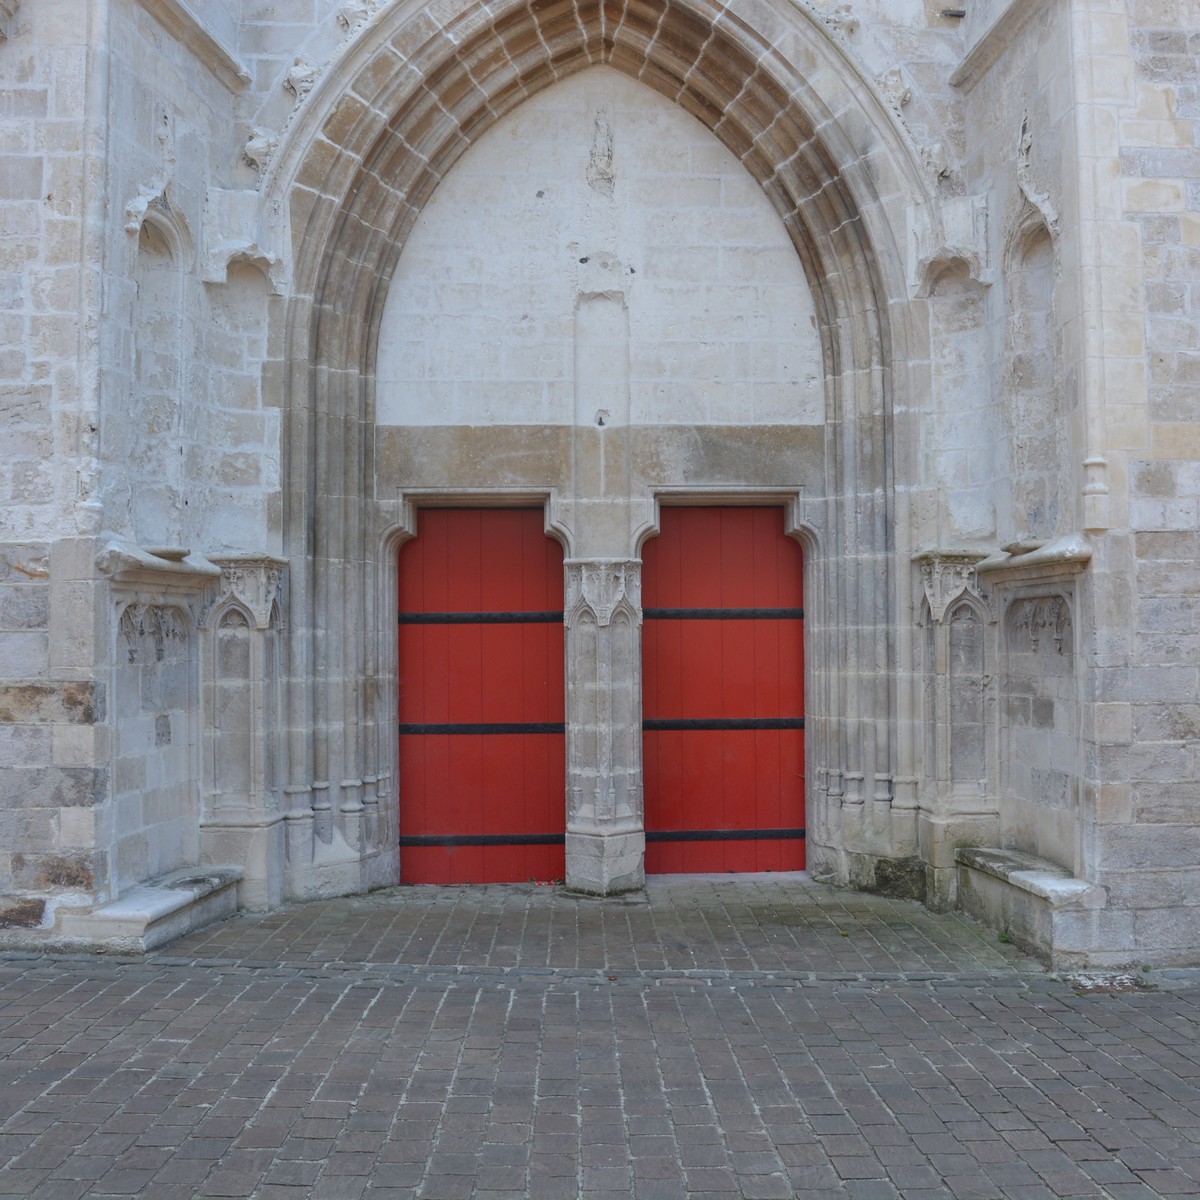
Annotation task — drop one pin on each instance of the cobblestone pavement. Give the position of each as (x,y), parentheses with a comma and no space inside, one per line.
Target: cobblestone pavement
(764,1037)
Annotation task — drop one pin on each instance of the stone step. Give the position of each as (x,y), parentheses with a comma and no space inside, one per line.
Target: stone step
(1037,903)
(153,913)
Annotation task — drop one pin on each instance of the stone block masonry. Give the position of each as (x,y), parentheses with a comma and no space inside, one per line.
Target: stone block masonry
(275,277)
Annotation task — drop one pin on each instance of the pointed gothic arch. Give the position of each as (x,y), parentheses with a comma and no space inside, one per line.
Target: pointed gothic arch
(379,132)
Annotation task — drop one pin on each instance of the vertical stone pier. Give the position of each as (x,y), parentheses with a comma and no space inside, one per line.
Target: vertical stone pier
(605,840)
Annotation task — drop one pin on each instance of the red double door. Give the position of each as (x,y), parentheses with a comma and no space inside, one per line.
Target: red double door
(723,693)
(482,768)
(482,754)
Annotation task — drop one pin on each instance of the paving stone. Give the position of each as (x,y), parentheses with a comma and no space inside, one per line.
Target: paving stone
(519,1069)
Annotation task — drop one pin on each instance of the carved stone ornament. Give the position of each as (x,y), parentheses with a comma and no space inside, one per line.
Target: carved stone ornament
(1041,624)
(8,10)
(1037,199)
(301,76)
(149,196)
(259,148)
(843,19)
(356,13)
(600,590)
(946,577)
(936,161)
(895,88)
(253,581)
(148,629)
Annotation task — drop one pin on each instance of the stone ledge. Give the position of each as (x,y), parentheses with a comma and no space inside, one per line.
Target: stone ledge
(1040,878)
(1041,906)
(151,914)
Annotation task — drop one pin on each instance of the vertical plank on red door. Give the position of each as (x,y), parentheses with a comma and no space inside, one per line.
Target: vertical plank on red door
(723,667)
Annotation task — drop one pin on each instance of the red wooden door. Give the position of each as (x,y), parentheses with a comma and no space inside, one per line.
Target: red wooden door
(723,696)
(482,769)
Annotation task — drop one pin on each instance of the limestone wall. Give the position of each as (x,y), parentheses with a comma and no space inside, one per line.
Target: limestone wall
(1148,767)
(51,696)
(272,274)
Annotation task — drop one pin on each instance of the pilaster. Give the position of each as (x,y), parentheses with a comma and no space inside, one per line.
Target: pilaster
(605,839)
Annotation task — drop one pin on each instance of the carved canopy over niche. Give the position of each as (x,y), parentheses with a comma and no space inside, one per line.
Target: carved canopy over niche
(599,591)
(947,576)
(253,582)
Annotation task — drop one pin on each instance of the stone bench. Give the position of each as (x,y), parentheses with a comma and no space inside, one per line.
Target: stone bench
(153,913)
(1041,906)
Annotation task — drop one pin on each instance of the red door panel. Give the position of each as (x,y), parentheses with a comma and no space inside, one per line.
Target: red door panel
(481,699)
(723,693)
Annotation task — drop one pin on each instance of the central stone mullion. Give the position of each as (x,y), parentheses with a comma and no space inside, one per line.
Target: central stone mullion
(606,842)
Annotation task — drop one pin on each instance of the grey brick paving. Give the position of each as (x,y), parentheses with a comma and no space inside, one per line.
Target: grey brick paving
(765,1037)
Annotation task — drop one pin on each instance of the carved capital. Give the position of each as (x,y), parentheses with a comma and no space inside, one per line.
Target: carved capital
(253,581)
(946,576)
(598,590)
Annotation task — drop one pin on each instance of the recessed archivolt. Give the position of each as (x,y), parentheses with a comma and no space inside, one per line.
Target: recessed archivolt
(420,86)
(414,99)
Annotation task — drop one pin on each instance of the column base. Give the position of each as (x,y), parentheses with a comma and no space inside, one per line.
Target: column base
(606,864)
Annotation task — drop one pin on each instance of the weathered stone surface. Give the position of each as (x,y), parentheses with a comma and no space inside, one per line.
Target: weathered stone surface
(52,872)
(45,703)
(20,912)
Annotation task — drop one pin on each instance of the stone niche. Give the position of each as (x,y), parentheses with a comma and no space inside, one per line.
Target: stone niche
(960,805)
(155,796)
(242,821)
(1033,880)
(1040,766)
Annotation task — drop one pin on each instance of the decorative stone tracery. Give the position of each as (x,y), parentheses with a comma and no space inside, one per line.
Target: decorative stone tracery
(149,630)
(948,576)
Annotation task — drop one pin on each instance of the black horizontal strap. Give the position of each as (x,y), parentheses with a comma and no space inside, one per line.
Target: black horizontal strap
(661,726)
(480,618)
(724,835)
(484,839)
(493,727)
(723,614)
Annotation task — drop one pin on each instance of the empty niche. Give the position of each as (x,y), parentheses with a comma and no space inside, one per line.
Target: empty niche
(1040,763)
(1035,419)
(154,461)
(968,726)
(930,693)
(234,718)
(231,476)
(963,454)
(155,822)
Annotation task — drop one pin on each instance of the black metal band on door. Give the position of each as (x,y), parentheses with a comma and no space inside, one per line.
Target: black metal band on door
(479,618)
(485,839)
(468,729)
(725,835)
(723,614)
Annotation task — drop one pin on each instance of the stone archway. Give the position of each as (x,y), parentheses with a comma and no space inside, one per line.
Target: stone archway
(383,130)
